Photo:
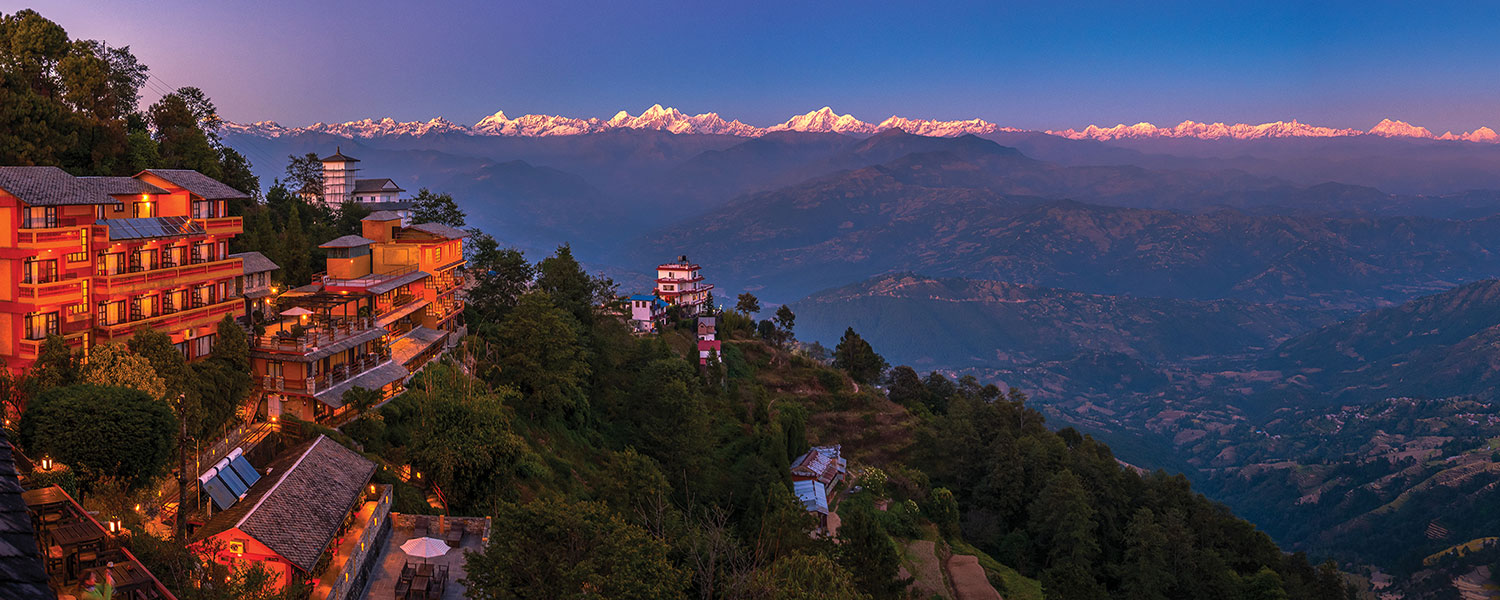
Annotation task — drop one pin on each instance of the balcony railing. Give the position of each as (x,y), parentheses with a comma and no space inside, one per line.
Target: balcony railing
(29,349)
(69,288)
(192,317)
(315,336)
(169,276)
(222,225)
(47,238)
(338,374)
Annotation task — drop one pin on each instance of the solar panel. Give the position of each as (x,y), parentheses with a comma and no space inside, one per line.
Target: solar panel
(223,498)
(242,467)
(151,227)
(226,474)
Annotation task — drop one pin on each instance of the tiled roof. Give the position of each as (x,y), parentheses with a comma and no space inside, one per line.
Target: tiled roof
(22,576)
(348,241)
(199,184)
(301,501)
(441,230)
(382,215)
(123,186)
(50,186)
(255,262)
(375,185)
(326,350)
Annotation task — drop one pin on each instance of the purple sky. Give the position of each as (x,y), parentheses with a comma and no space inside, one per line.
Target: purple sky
(1033,64)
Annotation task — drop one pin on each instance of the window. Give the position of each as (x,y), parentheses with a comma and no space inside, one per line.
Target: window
(182,348)
(38,217)
(201,252)
(273,368)
(203,345)
(145,209)
(77,309)
(110,263)
(223,250)
(142,260)
(174,256)
(41,325)
(203,210)
(39,271)
(437,254)
(76,257)
(111,313)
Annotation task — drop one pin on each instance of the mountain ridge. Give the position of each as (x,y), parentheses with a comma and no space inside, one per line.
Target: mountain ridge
(827,120)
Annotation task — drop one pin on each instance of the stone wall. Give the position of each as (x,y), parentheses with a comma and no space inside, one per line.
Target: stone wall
(365,557)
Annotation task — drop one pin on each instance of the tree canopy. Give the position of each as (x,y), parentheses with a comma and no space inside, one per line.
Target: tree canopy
(101,431)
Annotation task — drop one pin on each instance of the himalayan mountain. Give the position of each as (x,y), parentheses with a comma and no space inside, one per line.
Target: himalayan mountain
(1252,305)
(827,120)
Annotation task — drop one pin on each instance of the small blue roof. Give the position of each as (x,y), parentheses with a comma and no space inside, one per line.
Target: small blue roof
(647,298)
(813,495)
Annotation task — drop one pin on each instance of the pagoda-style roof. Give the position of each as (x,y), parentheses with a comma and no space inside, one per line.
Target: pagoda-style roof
(255,262)
(382,215)
(441,230)
(385,184)
(338,156)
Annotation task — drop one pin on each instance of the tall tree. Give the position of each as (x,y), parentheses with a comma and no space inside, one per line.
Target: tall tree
(304,175)
(868,552)
(56,365)
(1146,574)
(855,356)
(430,207)
(542,355)
(561,277)
(115,364)
(500,276)
(184,144)
(747,303)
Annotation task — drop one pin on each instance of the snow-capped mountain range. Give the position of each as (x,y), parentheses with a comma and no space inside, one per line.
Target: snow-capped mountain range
(826,120)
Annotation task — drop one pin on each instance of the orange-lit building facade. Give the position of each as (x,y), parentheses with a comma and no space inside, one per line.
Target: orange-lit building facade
(93,259)
(681,284)
(386,305)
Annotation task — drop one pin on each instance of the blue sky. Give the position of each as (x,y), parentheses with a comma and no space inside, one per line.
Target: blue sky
(1027,64)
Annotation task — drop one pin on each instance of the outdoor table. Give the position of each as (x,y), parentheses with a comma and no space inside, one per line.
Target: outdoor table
(425,570)
(74,534)
(128,576)
(44,498)
(420,583)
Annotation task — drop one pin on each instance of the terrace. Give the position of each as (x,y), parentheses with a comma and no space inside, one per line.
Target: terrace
(397,571)
(76,543)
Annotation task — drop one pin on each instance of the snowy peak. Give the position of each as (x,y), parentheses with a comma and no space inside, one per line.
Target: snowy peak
(1204,131)
(1389,128)
(824,120)
(933,128)
(673,120)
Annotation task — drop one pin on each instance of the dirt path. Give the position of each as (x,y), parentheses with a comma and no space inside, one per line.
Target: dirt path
(969,580)
(921,555)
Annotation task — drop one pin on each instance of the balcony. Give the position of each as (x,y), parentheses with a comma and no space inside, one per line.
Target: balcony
(66,236)
(30,349)
(204,316)
(168,277)
(222,225)
(337,374)
(279,339)
(62,291)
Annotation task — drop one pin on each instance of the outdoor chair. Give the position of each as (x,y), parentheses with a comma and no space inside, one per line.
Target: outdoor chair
(402,588)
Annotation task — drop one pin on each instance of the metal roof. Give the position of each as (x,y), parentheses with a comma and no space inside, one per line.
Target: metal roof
(199,184)
(813,494)
(382,375)
(50,186)
(397,281)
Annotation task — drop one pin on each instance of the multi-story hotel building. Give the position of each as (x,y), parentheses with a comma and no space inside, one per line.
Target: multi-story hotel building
(386,305)
(681,284)
(92,259)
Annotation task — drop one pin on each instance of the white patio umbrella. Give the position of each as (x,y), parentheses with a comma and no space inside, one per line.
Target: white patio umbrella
(424,548)
(295,311)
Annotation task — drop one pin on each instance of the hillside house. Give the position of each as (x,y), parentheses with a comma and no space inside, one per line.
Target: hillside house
(824,464)
(646,312)
(681,284)
(302,516)
(708,342)
(341,184)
